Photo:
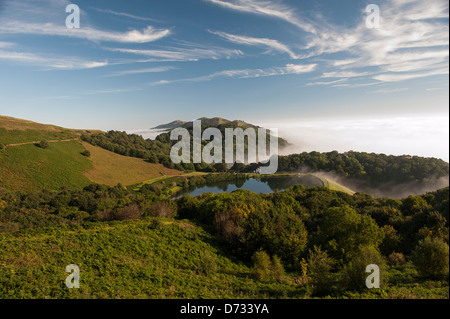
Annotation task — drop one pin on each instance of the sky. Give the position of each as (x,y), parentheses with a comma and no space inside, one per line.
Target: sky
(319,71)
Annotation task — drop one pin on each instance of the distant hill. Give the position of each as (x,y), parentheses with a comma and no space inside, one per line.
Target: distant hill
(217,122)
(209,122)
(169,126)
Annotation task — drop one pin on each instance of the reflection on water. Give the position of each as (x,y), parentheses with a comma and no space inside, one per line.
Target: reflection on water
(257,185)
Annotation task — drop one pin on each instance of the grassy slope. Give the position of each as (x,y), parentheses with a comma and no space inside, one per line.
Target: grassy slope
(129,259)
(14,131)
(110,168)
(136,259)
(28,167)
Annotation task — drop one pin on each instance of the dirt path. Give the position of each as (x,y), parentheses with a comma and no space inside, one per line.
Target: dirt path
(37,142)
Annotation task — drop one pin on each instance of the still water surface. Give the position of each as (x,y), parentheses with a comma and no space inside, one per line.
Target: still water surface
(256,185)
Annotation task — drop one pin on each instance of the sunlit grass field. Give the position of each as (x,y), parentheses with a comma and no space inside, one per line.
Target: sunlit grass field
(110,168)
(29,167)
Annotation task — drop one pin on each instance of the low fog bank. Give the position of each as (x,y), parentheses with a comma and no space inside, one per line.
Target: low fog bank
(400,191)
(426,136)
(147,133)
(388,190)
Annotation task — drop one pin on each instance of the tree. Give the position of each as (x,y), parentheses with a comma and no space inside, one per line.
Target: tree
(354,275)
(319,268)
(131,211)
(343,231)
(431,257)
(266,268)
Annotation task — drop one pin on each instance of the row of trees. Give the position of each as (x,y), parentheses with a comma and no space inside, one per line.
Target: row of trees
(376,169)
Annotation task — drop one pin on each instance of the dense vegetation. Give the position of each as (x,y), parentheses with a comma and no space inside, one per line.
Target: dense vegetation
(376,169)
(307,241)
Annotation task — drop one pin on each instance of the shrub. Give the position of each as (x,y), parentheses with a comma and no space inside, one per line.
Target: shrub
(162,209)
(261,265)
(396,258)
(354,275)
(390,241)
(431,258)
(131,211)
(9,227)
(207,264)
(103,215)
(155,224)
(277,269)
(86,153)
(225,225)
(43,144)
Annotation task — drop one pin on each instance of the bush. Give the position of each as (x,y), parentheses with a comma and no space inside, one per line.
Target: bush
(131,211)
(261,265)
(431,258)
(277,269)
(86,153)
(9,227)
(155,224)
(354,275)
(162,210)
(396,258)
(43,144)
(207,265)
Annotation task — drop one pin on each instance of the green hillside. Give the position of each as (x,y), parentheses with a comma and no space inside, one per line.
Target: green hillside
(149,258)
(29,167)
(17,131)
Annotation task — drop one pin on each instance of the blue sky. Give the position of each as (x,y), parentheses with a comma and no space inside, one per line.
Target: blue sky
(290,64)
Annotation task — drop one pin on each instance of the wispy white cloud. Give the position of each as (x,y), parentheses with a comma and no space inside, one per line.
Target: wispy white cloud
(60,63)
(388,91)
(143,70)
(190,53)
(6,44)
(395,77)
(267,8)
(326,82)
(270,43)
(148,34)
(245,73)
(115,90)
(125,14)
(344,74)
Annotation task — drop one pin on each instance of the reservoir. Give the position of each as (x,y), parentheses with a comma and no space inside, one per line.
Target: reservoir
(257,185)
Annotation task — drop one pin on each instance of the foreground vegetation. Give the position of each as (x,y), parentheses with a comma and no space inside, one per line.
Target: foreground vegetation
(299,243)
